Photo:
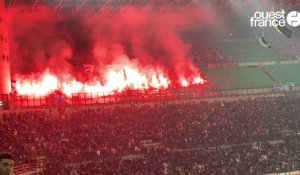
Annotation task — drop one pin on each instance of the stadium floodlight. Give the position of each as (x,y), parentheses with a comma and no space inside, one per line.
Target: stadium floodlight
(263,42)
(284,31)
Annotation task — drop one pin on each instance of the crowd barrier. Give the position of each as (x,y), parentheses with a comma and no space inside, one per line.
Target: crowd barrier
(286,173)
(58,99)
(28,169)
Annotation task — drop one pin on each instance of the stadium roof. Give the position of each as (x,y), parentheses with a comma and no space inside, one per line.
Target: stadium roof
(116,6)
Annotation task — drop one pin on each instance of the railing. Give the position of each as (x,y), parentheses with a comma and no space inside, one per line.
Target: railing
(53,100)
(28,169)
(286,173)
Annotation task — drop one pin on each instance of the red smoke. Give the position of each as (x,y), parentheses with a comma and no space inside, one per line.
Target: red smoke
(151,45)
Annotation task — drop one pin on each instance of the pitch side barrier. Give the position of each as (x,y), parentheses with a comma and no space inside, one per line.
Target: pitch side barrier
(13,101)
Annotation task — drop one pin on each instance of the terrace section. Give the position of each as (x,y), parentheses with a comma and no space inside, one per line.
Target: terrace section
(246,51)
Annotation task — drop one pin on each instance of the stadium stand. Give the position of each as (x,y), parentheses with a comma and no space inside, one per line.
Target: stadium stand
(285,73)
(160,138)
(246,51)
(237,77)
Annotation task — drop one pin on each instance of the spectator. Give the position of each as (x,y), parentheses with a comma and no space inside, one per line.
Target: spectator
(6,164)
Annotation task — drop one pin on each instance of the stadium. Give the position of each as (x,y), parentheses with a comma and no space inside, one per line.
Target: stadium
(149,87)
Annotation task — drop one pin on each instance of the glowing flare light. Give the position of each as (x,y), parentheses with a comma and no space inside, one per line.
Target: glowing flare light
(47,84)
(73,87)
(126,77)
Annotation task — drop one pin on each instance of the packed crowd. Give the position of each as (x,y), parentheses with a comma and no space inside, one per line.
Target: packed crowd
(166,138)
(245,159)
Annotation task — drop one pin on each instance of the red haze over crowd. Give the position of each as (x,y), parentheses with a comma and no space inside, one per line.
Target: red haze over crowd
(103,53)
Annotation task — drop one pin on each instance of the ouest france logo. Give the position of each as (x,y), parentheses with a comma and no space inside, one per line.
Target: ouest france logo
(274,18)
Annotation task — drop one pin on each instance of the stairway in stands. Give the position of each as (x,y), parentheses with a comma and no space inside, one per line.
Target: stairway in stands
(268,74)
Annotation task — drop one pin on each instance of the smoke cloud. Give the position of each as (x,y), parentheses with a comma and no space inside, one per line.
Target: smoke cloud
(62,44)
